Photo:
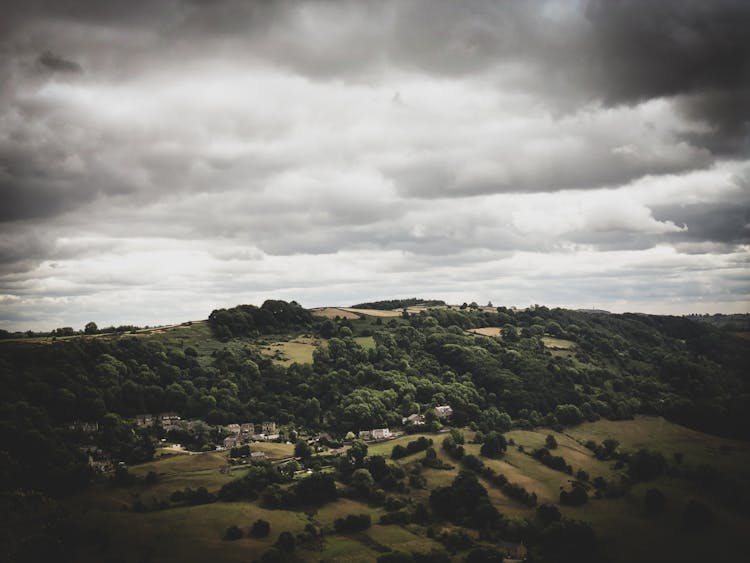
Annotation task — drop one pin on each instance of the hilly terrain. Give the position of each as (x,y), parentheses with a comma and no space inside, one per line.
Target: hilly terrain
(403,430)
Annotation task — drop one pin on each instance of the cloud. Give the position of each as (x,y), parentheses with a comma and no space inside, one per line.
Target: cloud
(332,152)
(57,63)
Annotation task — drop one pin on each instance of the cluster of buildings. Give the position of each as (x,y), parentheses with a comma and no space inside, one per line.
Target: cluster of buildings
(416,419)
(168,420)
(242,433)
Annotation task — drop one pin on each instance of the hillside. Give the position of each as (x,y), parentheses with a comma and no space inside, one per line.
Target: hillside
(618,394)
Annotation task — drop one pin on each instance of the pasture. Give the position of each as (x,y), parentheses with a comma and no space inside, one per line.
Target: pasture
(494,331)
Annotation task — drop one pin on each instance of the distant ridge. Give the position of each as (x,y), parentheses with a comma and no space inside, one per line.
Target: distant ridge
(391,304)
(594,311)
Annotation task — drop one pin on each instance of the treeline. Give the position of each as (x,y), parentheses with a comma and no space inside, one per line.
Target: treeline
(390,304)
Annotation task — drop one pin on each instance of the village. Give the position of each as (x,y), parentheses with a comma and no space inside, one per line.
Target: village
(235,435)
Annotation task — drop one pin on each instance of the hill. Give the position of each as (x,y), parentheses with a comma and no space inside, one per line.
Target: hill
(75,404)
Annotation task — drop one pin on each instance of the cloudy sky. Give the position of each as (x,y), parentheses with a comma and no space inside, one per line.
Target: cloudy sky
(161,161)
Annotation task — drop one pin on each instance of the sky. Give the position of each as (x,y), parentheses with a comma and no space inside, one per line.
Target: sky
(159,160)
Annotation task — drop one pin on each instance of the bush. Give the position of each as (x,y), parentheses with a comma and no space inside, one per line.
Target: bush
(485,555)
(233,533)
(261,529)
(352,523)
(494,445)
(577,496)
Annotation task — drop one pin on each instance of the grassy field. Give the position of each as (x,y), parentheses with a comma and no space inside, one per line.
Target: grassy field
(487,331)
(333,312)
(557,343)
(298,350)
(372,312)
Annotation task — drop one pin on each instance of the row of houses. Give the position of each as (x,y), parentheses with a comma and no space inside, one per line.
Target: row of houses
(168,420)
(375,434)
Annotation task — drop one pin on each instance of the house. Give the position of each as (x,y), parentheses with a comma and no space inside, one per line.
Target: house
(256,456)
(375,434)
(443,411)
(247,428)
(231,441)
(168,417)
(268,428)
(415,419)
(233,428)
(85,427)
(144,420)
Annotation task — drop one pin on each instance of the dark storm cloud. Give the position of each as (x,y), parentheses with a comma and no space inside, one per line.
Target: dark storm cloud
(57,63)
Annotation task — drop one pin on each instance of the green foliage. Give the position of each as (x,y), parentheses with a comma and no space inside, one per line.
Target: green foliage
(494,445)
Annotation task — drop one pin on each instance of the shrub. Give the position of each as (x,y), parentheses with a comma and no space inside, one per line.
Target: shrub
(260,529)
(233,533)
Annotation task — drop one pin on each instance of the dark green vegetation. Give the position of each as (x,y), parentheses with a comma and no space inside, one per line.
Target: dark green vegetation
(453,494)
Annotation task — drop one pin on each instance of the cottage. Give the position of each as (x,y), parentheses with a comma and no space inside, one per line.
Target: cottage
(443,411)
(231,442)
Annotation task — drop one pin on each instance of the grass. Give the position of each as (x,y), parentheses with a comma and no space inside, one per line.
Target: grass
(731,456)
(557,343)
(299,350)
(333,312)
(487,331)
(367,342)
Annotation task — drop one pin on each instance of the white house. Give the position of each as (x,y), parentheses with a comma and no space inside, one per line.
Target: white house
(443,411)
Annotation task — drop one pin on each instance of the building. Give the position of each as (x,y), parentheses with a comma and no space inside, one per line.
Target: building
(375,434)
(268,428)
(247,428)
(233,428)
(144,420)
(415,419)
(169,420)
(231,441)
(255,456)
(85,427)
(443,411)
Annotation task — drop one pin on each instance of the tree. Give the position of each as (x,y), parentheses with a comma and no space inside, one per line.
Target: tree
(362,481)
(91,328)
(286,542)
(494,445)
(550,442)
(233,533)
(261,528)
(357,451)
(303,450)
